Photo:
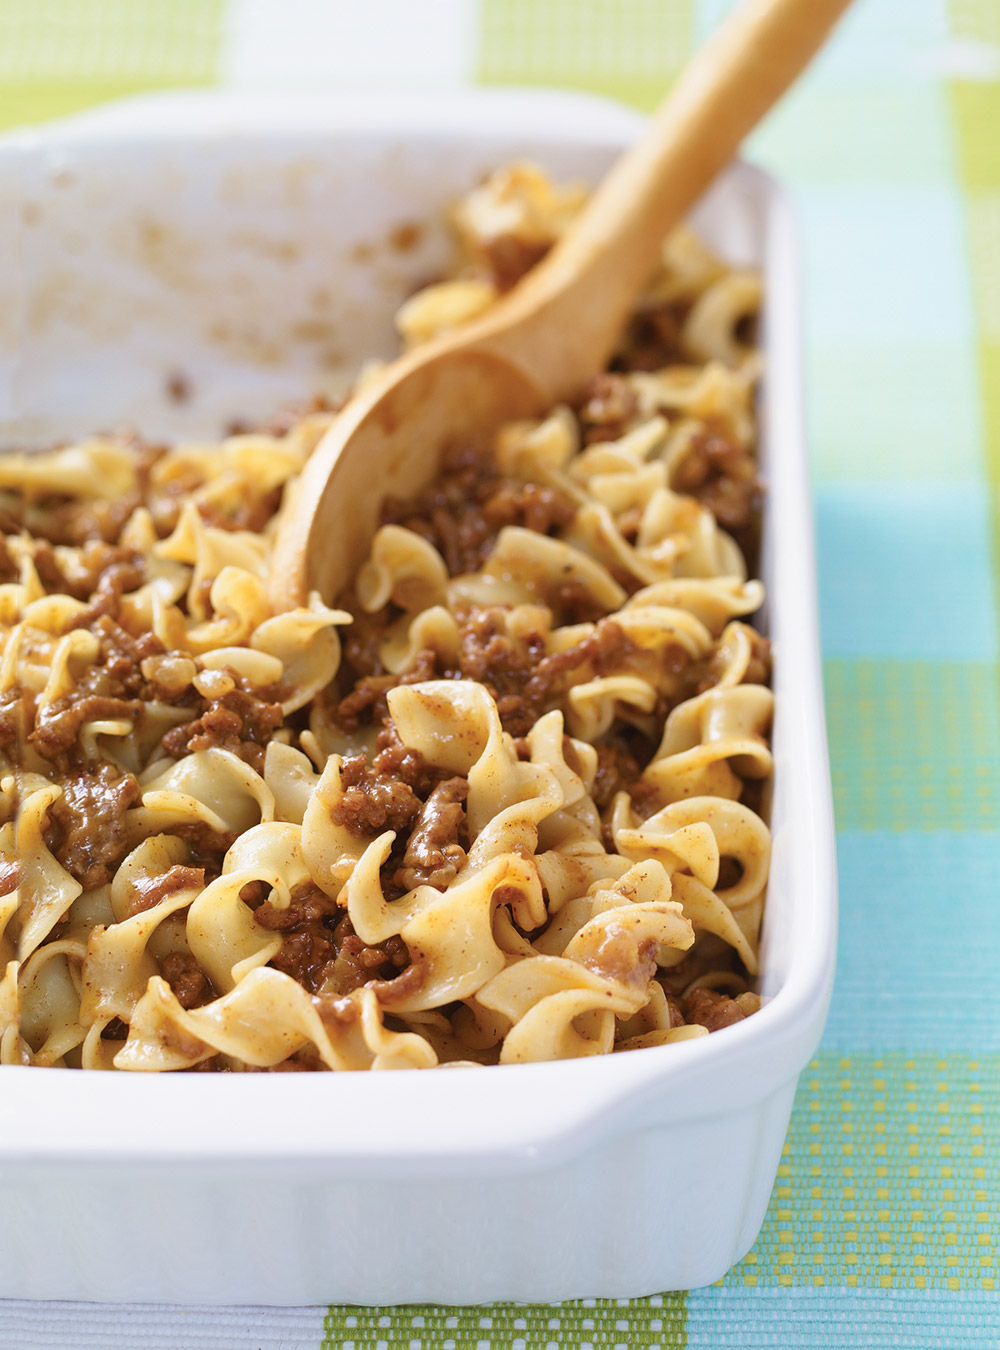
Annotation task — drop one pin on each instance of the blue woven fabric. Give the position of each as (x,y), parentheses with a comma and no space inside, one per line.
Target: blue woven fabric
(883,1228)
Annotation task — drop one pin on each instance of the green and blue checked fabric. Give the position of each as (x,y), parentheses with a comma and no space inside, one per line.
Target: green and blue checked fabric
(884,1227)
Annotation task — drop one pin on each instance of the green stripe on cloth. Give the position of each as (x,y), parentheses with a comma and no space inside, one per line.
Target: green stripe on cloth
(25,102)
(976,110)
(977,117)
(914,744)
(976,20)
(59,56)
(657,1321)
(890,1177)
(626,49)
(984,242)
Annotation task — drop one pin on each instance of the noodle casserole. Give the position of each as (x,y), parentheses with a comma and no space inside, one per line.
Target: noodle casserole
(546,784)
(496,807)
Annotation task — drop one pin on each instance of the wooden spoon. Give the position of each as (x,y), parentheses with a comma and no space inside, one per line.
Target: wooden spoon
(557,326)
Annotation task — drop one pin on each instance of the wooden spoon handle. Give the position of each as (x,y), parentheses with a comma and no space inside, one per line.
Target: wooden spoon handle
(580,295)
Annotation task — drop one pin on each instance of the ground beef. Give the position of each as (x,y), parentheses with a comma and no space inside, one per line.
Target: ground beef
(114,688)
(653,339)
(252,513)
(710,1009)
(58,726)
(373,800)
(74,522)
(394,758)
(499,663)
(464,509)
(675,1011)
(392,990)
(607,405)
(307,904)
(87,823)
(617,771)
(121,656)
(206,847)
(516,673)
(307,955)
(308,947)
(116,1030)
(573,602)
(722,475)
(602,649)
(79,522)
(544,510)
(16,715)
(519,676)
(102,571)
(192,987)
(362,640)
(9,567)
(366,701)
(434,856)
(490,656)
(49,570)
(149,891)
(320,949)
(644,796)
(104,599)
(400,791)
(238,721)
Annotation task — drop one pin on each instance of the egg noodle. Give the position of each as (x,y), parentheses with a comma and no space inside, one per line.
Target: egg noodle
(505,801)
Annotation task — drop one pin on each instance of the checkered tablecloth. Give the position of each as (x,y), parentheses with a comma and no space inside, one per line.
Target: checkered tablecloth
(884,1226)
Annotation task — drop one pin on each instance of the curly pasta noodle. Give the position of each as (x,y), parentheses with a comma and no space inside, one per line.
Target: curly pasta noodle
(505,802)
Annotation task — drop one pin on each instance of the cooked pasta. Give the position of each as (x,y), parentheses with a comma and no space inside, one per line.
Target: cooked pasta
(504,801)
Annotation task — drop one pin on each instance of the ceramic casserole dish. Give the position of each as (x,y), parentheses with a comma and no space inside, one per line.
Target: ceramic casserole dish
(187,237)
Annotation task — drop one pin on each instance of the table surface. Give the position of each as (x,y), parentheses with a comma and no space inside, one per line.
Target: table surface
(884,1225)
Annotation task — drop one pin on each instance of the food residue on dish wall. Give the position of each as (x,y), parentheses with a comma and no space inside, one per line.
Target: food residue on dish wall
(406,237)
(178,387)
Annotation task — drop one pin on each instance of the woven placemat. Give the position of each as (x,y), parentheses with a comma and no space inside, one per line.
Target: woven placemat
(884,1223)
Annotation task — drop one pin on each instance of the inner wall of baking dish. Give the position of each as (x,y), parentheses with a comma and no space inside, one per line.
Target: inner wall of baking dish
(181,285)
(178,284)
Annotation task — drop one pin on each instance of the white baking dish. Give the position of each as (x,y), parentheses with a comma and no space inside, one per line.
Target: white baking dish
(246,246)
